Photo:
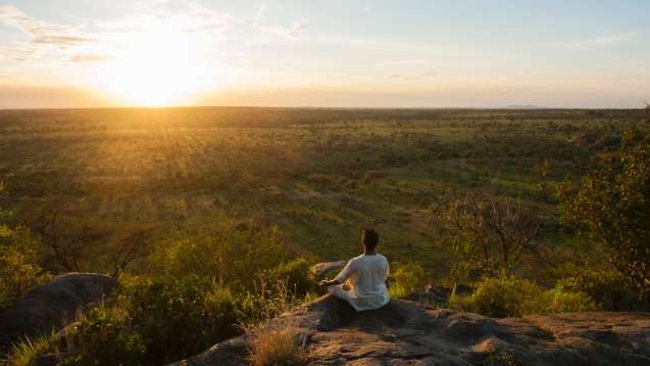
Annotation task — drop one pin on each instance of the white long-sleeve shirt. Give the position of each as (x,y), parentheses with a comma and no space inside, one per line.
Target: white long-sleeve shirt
(367,275)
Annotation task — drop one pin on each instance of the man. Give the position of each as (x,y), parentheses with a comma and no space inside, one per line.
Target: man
(366,277)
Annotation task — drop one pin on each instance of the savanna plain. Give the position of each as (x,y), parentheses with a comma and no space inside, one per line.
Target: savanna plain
(229,207)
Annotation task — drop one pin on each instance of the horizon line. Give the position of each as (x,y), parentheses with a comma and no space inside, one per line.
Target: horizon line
(513,108)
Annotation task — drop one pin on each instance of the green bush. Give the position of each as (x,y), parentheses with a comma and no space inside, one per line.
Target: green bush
(512,296)
(612,202)
(231,252)
(406,279)
(501,297)
(605,287)
(155,322)
(19,270)
(558,300)
(182,303)
(295,274)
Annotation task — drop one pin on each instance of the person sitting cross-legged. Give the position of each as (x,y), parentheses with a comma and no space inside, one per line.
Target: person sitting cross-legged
(362,283)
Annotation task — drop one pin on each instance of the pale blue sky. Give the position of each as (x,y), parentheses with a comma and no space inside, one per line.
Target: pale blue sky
(325,53)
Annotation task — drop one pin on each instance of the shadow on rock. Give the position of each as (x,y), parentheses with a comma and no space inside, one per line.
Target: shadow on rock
(46,307)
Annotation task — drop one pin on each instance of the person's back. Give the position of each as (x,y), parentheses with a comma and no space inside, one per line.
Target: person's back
(362,282)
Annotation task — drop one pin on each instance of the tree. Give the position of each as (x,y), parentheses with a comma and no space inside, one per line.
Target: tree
(612,202)
(66,244)
(490,232)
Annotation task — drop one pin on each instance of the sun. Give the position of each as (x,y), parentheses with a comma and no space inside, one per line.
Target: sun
(157,66)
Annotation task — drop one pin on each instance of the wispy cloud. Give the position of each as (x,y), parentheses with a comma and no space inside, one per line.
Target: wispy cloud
(602,40)
(42,32)
(291,32)
(404,62)
(90,58)
(187,16)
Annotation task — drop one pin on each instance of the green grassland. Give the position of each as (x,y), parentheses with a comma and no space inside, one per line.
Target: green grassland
(318,174)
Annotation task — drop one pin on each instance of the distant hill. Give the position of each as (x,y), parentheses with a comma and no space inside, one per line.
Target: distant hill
(525,106)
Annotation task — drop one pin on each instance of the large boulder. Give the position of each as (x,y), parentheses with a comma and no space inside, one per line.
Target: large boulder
(49,306)
(404,333)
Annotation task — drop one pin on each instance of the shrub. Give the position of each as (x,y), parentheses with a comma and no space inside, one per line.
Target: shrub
(612,202)
(511,296)
(277,346)
(153,321)
(19,270)
(407,278)
(501,297)
(605,287)
(296,274)
(232,252)
(156,322)
(559,300)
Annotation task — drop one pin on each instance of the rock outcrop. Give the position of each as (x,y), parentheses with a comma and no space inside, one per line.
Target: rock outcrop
(404,333)
(49,305)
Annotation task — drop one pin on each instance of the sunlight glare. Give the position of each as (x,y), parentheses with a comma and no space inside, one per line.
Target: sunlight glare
(154,69)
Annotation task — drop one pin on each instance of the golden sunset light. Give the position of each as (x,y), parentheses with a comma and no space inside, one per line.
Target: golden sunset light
(324,182)
(189,52)
(154,69)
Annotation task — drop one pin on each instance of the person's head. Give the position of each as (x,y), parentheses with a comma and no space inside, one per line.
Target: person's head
(369,239)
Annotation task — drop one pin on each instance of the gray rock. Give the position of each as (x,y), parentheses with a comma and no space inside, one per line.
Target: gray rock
(47,307)
(405,333)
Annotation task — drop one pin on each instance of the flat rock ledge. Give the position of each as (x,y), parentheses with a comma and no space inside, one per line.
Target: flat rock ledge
(404,333)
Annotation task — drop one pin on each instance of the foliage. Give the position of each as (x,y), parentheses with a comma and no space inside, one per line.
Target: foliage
(558,300)
(605,286)
(155,322)
(183,303)
(500,358)
(119,178)
(613,203)
(303,169)
(28,350)
(502,297)
(295,275)
(19,269)
(66,245)
(406,278)
(512,296)
(283,345)
(490,232)
(229,252)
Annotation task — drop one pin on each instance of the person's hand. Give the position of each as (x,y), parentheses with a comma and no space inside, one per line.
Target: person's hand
(346,287)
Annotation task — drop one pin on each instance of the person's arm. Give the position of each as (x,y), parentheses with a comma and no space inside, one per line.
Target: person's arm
(388,279)
(345,273)
(327,283)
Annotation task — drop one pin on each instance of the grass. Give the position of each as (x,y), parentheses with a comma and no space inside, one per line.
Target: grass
(283,345)
(318,174)
(28,350)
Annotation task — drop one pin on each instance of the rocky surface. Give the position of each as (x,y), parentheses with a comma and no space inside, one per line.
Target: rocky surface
(404,333)
(50,305)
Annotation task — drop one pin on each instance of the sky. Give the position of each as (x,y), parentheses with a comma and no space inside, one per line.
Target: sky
(325,53)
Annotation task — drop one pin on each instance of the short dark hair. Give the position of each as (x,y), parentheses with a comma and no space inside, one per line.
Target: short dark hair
(370,238)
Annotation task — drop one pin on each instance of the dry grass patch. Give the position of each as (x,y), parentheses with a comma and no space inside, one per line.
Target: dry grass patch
(283,345)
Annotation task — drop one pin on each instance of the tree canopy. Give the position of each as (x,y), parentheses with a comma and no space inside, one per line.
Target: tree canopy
(612,202)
